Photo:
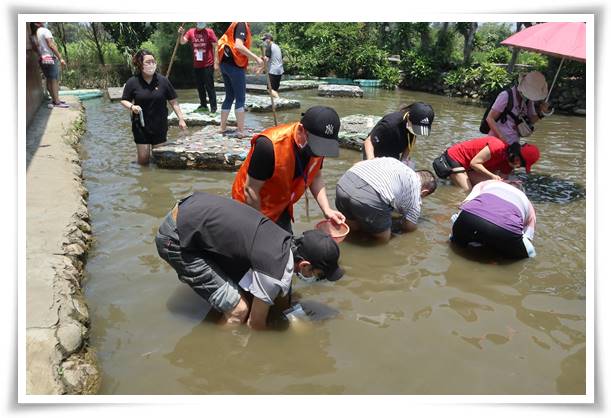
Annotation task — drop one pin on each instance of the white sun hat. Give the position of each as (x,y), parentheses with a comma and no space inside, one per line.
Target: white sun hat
(533,86)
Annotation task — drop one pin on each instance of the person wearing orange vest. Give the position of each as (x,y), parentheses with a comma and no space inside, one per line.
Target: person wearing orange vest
(233,53)
(284,160)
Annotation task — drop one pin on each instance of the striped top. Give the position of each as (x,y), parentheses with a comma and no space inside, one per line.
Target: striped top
(503,205)
(395,182)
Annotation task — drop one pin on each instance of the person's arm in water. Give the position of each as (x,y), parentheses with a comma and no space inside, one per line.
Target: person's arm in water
(477,163)
(408,226)
(257,319)
(181,118)
(368,147)
(318,190)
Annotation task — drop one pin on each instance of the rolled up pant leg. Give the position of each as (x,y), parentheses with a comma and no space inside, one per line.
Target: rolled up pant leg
(202,274)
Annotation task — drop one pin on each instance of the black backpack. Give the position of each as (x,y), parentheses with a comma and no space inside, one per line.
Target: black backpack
(483,126)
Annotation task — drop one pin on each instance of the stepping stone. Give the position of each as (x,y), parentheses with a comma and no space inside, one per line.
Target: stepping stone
(255,104)
(114,93)
(193,118)
(206,149)
(354,129)
(287,85)
(336,90)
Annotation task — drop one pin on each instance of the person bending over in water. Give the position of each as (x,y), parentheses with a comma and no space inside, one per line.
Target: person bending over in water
(469,162)
(499,216)
(229,253)
(369,192)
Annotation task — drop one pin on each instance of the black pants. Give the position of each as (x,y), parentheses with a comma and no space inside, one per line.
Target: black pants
(471,228)
(204,80)
(274,81)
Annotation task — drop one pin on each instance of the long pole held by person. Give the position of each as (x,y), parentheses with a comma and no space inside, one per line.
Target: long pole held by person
(167,74)
(269,87)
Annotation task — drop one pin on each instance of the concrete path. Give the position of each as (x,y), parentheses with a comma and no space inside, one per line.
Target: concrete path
(58,360)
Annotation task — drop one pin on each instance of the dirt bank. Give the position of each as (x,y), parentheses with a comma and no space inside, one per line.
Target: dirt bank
(58,235)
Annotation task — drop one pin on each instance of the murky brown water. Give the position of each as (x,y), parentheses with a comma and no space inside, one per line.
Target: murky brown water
(414,316)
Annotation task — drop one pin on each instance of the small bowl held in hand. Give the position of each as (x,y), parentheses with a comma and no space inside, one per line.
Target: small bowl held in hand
(337,232)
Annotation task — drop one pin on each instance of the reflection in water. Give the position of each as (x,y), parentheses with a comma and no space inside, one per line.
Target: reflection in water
(416,316)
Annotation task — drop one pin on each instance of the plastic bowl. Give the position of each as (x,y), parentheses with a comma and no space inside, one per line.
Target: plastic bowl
(337,232)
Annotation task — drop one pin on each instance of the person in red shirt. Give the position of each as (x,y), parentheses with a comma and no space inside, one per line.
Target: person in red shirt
(469,162)
(203,42)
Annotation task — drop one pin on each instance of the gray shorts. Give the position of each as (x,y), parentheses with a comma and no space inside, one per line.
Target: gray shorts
(359,202)
(202,274)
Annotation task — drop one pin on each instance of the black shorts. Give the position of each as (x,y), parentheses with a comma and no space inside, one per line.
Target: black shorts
(274,80)
(143,136)
(471,228)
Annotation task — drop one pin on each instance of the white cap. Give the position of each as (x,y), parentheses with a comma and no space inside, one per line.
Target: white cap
(533,86)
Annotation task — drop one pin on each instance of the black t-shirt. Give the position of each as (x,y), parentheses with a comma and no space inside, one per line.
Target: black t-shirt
(389,136)
(152,98)
(238,33)
(263,160)
(235,236)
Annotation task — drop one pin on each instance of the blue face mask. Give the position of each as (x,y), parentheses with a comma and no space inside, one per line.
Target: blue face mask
(200,25)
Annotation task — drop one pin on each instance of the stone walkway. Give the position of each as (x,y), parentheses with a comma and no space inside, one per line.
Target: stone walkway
(339,90)
(58,234)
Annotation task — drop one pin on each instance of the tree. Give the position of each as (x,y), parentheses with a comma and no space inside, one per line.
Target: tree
(516,51)
(467,30)
(96,34)
(59,28)
(129,35)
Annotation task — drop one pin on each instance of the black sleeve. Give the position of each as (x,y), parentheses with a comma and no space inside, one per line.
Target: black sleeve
(263,159)
(128,90)
(170,93)
(268,51)
(240,31)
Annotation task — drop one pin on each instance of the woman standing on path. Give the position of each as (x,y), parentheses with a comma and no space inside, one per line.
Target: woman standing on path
(145,95)
(233,53)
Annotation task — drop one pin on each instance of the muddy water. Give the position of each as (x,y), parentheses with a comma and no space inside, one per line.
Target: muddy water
(412,317)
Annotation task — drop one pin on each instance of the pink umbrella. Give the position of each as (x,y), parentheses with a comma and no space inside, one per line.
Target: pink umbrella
(566,40)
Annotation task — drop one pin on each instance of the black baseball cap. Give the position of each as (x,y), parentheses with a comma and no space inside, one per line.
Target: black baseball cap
(421,117)
(322,252)
(267,36)
(322,125)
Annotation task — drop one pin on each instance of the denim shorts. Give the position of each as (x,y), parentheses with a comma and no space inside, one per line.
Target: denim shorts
(359,202)
(50,71)
(195,269)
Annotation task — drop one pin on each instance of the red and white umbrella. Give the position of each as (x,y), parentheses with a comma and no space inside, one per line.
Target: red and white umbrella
(566,40)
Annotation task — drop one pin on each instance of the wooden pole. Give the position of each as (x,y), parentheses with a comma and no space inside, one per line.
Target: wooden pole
(269,87)
(167,74)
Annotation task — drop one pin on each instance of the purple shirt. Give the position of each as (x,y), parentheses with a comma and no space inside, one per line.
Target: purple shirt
(509,129)
(503,205)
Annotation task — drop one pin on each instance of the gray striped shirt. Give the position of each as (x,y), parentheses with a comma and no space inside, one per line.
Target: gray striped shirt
(397,184)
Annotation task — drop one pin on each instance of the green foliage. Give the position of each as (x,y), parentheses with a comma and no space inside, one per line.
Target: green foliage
(417,66)
(490,35)
(129,35)
(485,80)
(500,55)
(390,77)
(533,59)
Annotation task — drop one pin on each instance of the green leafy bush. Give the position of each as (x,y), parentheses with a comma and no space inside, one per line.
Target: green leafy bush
(500,55)
(389,76)
(418,67)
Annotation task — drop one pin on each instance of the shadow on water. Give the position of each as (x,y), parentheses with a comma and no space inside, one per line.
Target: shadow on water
(543,188)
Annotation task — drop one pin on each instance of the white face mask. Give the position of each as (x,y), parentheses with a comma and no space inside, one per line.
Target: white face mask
(149,69)
(308,280)
(200,25)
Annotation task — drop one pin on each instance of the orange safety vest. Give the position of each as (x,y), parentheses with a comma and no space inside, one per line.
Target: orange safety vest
(281,190)
(228,39)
